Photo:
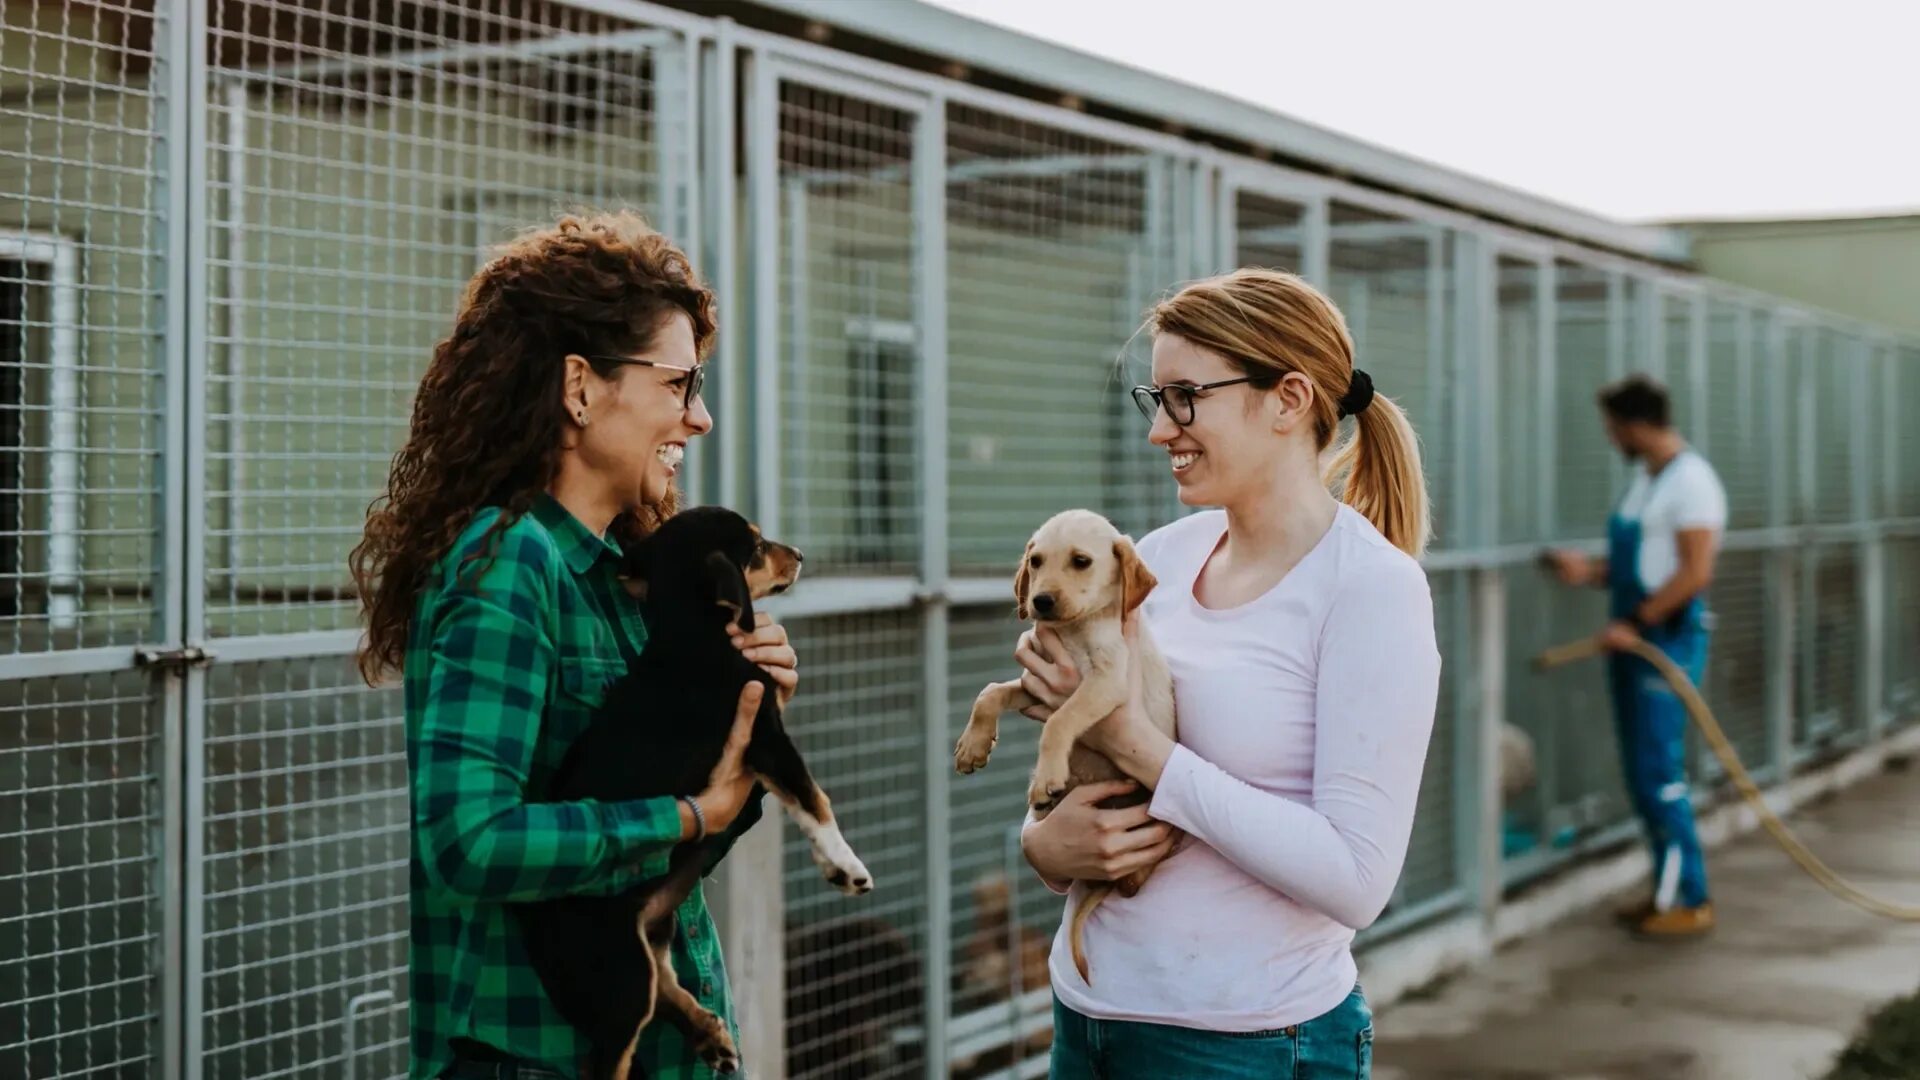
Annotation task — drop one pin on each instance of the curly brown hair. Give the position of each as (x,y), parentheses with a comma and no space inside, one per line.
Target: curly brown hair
(488,416)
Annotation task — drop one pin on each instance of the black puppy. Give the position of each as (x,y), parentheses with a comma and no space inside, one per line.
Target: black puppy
(604,959)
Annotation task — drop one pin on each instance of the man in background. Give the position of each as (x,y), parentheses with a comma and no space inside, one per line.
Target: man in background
(1662,541)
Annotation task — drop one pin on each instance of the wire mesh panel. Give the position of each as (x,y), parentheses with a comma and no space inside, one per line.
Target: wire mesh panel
(1057,244)
(305,853)
(1739,674)
(1392,280)
(1738,405)
(1003,917)
(1835,414)
(1829,682)
(80,837)
(81,278)
(854,965)
(849,342)
(1520,415)
(1902,645)
(359,173)
(1797,368)
(1268,232)
(1586,468)
(1905,434)
(1577,791)
(1676,353)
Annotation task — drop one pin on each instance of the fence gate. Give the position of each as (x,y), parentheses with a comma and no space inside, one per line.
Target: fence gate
(229,237)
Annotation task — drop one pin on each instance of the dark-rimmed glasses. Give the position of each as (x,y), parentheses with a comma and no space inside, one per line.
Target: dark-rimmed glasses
(1178,398)
(696,375)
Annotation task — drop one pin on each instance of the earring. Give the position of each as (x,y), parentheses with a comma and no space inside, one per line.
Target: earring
(581,417)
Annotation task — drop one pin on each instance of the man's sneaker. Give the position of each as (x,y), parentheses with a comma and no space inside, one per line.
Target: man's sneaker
(1635,912)
(1676,923)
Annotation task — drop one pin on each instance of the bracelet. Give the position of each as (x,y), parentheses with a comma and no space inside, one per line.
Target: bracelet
(699,819)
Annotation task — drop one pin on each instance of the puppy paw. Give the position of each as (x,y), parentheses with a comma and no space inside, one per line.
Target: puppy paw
(973,750)
(839,865)
(850,877)
(718,1051)
(1048,787)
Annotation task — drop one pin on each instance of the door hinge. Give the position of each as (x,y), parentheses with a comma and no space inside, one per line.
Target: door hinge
(177,659)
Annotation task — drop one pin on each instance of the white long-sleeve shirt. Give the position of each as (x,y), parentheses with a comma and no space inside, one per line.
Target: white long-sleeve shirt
(1304,718)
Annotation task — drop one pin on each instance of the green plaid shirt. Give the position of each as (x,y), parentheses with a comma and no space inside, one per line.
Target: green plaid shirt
(502,673)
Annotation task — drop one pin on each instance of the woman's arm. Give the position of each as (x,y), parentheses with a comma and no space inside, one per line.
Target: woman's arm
(1377,684)
(473,752)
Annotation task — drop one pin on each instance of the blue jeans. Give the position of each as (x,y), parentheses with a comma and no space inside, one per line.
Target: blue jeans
(1652,725)
(1337,1045)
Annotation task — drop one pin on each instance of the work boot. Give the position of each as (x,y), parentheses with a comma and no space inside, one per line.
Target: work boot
(1676,923)
(1635,912)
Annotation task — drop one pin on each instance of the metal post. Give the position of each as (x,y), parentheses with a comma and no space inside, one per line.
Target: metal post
(1697,385)
(181,59)
(1226,224)
(1890,426)
(239,104)
(1782,584)
(763,197)
(1653,312)
(182,562)
(930,304)
(1313,241)
(1873,549)
(753,939)
(752,880)
(1873,623)
(1469,349)
(1489,712)
(724,458)
(1201,215)
(672,71)
(692,234)
(1546,366)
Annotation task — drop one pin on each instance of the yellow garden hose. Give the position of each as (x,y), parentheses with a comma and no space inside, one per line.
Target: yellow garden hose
(1723,749)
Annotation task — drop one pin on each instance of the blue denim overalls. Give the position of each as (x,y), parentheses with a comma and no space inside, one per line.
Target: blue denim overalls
(1651,721)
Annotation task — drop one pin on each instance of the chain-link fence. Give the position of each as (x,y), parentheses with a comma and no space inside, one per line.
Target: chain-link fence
(229,235)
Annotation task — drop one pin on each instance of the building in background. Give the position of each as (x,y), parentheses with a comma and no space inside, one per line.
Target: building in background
(1865,267)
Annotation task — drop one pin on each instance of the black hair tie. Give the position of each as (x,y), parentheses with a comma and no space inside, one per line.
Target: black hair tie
(1359,394)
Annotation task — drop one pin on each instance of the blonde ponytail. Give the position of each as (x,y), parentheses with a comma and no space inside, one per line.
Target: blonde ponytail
(1377,471)
(1273,322)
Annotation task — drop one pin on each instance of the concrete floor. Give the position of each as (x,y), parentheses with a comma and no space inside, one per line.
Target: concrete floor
(1774,994)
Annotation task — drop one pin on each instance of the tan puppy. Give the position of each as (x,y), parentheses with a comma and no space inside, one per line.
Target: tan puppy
(1081,576)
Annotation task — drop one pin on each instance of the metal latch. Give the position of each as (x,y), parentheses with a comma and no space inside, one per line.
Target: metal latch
(180,659)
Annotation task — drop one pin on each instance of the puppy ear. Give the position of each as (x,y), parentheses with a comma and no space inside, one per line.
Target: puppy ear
(1136,581)
(1021,581)
(728,585)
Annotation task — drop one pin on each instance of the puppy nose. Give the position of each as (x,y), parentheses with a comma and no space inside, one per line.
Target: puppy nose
(797,557)
(1043,603)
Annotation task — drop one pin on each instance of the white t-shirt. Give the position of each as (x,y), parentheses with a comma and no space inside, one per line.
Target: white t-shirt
(1304,717)
(1685,495)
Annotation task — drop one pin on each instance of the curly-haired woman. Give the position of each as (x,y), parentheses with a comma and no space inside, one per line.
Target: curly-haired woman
(547,430)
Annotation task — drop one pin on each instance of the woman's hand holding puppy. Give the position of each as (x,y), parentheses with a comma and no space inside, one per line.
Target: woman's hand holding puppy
(1077,841)
(768,647)
(731,783)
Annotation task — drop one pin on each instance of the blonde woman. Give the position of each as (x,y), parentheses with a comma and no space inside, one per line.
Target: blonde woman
(1299,628)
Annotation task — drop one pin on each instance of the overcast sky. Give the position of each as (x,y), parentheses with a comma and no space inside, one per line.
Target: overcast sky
(1636,109)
